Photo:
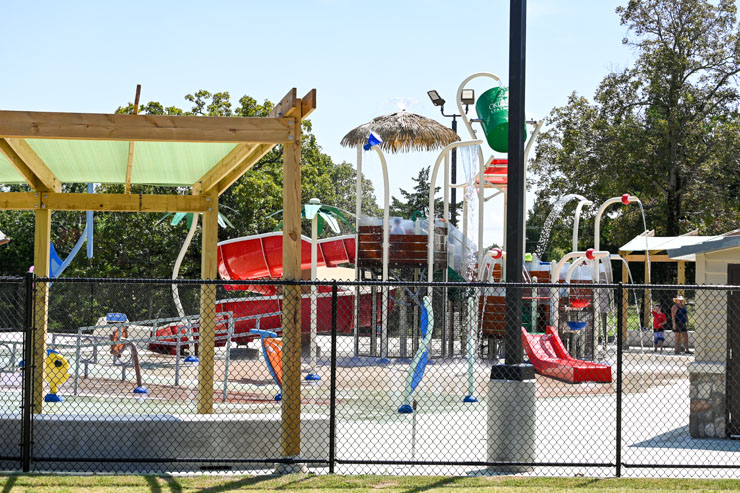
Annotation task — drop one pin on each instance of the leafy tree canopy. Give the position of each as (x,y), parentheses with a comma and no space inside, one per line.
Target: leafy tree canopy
(665,129)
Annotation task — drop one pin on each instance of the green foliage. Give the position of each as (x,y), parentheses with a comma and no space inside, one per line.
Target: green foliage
(134,245)
(665,129)
(418,198)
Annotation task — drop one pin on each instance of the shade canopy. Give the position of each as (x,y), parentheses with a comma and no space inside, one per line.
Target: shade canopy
(103,161)
(403,132)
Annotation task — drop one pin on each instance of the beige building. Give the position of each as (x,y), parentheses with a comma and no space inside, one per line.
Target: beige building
(715,374)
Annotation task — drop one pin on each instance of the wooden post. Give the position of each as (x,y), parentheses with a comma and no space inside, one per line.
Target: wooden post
(291,404)
(625,302)
(207,334)
(42,246)
(681,275)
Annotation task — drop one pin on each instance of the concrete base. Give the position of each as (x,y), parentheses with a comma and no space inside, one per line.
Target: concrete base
(163,437)
(512,425)
(293,468)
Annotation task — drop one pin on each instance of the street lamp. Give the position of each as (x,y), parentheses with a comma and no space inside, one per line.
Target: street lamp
(467,97)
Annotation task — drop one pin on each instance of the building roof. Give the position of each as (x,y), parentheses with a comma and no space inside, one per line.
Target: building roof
(688,252)
(660,243)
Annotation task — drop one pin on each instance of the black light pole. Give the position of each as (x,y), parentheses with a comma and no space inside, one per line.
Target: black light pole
(467,99)
(515,211)
(511,420)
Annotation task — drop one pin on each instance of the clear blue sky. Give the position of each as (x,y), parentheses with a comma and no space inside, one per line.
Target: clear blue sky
(364,58)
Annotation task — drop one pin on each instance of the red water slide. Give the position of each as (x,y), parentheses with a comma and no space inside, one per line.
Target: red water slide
(549,357)
(261,257)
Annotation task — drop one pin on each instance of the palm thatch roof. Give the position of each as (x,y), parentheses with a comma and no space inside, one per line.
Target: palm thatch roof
(403,132)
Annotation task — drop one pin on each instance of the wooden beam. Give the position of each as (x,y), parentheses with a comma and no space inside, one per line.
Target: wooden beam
(233,159)
(41,252)
(119,202)
(18,201)
(157,128)
(257,154)
(130,161)
(207,334)
(308,104)
(29,165)
(285,106)
(291,404)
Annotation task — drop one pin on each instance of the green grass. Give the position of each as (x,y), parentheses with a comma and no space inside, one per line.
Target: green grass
(308,483)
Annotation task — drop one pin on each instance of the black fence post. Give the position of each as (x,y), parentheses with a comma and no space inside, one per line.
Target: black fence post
(620,330)
(333,379)
(28,325)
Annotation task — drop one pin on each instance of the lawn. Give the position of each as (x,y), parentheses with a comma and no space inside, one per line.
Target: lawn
(309,483)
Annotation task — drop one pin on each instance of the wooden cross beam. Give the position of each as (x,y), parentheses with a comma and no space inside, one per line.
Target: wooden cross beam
(150,128)
(29,165)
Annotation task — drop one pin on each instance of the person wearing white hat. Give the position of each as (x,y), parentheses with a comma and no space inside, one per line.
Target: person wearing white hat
(680,319)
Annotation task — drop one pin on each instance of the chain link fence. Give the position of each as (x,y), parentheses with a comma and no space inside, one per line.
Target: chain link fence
(388,378)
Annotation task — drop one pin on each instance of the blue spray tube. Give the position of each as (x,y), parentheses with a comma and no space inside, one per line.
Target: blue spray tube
(419,363)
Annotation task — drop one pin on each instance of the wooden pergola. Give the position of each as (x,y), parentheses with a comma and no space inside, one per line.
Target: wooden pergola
(218,151)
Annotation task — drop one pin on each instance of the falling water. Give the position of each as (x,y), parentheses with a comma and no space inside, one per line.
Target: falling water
(647,251)
(634,294)
(557,208)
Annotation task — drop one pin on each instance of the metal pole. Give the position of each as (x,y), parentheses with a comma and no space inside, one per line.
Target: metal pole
(620,329)
(27,375)
(333,384)
(515,211)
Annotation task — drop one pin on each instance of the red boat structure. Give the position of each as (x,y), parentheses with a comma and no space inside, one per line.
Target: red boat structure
(260,257)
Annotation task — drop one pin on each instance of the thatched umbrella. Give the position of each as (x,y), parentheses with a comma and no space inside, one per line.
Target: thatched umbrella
(402,132)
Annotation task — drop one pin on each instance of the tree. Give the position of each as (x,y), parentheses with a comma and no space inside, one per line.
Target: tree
(418,199)
(665,129)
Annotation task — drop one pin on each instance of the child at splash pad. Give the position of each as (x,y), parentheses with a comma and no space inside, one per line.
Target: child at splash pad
(659,321)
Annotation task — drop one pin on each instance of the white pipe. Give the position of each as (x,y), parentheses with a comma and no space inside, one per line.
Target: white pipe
(583,203)
(481,204)
(446,210)
(178,262)
(597,225)
(386,211)
(555,272)
(314,308)
(386,246)
(433,180)
(358,211)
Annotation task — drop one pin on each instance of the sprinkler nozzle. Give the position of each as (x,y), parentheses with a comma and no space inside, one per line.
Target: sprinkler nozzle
(625,198)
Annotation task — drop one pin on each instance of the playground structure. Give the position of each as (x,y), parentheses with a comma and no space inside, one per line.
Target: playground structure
(448,328)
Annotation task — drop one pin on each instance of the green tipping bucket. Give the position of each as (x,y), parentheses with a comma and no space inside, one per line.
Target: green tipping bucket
(493,110)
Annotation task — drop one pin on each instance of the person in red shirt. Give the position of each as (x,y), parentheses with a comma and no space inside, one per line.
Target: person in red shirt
(659,321)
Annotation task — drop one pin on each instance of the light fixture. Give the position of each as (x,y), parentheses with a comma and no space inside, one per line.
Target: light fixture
(467,96)
(436,98)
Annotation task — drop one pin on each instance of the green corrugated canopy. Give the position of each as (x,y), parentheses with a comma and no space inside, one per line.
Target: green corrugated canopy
(102,161)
